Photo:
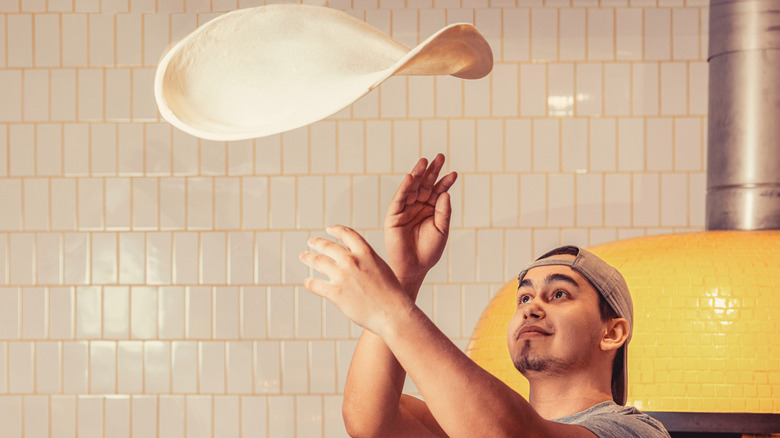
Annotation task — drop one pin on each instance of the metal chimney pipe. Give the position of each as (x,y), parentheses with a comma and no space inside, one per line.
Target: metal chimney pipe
(743,162)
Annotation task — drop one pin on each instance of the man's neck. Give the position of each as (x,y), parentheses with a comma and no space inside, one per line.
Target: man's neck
(558,396)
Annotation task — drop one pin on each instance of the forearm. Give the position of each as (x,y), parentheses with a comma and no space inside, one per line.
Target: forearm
(461,396)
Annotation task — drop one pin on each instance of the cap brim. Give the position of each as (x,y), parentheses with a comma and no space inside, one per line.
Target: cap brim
(265,70)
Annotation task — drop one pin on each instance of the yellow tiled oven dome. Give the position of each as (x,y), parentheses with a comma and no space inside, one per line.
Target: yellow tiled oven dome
(707,322)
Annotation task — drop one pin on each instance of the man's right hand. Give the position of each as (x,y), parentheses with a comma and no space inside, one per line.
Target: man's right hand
(418,221)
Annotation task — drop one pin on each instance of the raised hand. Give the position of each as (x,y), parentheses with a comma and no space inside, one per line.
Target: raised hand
(359,282)
(418,221)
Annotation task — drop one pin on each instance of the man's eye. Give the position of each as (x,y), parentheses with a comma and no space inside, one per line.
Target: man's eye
(559,294)
(524,299)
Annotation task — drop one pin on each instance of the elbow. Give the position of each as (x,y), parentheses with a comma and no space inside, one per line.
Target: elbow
(357,423)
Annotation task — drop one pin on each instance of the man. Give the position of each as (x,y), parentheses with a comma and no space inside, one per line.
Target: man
(559,338)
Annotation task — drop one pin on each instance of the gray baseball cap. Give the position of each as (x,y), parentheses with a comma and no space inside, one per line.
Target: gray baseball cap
(612,286)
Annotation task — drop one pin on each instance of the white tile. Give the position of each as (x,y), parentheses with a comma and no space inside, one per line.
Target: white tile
(406,145)
(574,144)
(199,415)
(87,6)
(645,89)
(489,21)
(308,314)
(118,98)
(21,248)
(704,20)
(143,312)
(657,33)
(130,144)
(185,154)
(129,39)
(171,312)
(76,149)
(11,198)
(516,34)
(295,150)
(590,200)
(365,195)
(11,415)
(159,251)
(144,421)
(118,202)
(88,313)
(76,256)
(240,258)
(226,417)
(198,321)
(74,40)
(462,152)
(404,26)
(697,187)
(476,98)
(336,325)
(254,416)
(61,320)
(20,49)
(36,204)
(603,147)
(212,157)
(36,95)
(103,148)
(490,145)
(101,39)
(687,144)
(268,367)
(11,88)
(392,97)
(674,199)
(449,96)
(102,366)
(253,312)
(294,367)
(589,89)
(628,33)
(36,416)
(490,250)
(90,415)
(544,34)
(74,367)
(240,156)
(344,352)
(685,33)
(322,367)
(63,212)
(599,236)
(459,15)
(281,416)
(308,413)
(239,367)
(211,367)
(533,95)
(533,200)
(546,145)
(475,300)
(545,240)
(131,258)
(379,152)
(200,192)
(631,144)
(617,89)
(226,316)
(157,367)
(476,202)
(63,94)
(660,143)
(601,33)
(130,367)
(293,271)
(49,258)
(213,258)
(184,367)
(63,416)
(20,367)
(674,88)
(227,203)
(116,312)
(172,202)
(560,205)
(504,90)
(254,202)
(504,198)
(572,34)
(421,96)
(21,156)
(268,258)
(433,139)
(280,307)
(560,93)
(34,313)
(350,147)
(145,204)
(171,416)
(645,199)
(48,150)
(462,255)
(698,87)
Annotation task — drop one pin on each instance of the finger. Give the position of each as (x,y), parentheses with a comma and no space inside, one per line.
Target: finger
(443,213)
(319,262)
(398,202)
(327,247)
(318,286)
(417,174)
(442,186)
(351,238)
(429,178)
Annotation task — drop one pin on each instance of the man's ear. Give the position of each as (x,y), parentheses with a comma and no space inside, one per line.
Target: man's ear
(615,334)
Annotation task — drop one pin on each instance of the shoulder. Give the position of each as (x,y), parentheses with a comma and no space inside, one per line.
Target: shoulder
(608,420)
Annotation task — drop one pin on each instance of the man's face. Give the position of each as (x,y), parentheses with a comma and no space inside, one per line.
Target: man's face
(557,325)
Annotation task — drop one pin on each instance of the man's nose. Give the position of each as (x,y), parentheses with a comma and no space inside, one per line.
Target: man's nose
(533,310)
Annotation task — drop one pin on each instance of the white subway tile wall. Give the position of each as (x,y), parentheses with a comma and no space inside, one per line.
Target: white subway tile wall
(149,280)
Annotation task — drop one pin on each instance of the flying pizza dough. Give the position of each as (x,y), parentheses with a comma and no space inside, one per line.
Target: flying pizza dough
(261,71)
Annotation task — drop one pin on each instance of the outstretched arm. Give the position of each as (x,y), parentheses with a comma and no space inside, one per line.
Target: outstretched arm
(416,229)
(463,398)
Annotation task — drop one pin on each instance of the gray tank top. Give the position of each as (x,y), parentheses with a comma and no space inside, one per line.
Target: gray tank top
(610,420)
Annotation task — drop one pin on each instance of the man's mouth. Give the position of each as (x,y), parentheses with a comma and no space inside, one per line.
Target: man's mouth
(532,331)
